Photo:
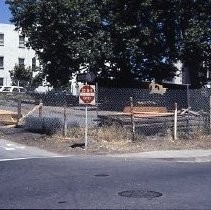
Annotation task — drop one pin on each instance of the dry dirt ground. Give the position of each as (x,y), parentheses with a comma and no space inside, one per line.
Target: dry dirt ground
(101,142)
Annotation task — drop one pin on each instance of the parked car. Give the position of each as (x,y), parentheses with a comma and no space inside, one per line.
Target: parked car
(12,89)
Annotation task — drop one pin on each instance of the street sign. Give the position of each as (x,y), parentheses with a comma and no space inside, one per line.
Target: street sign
(87,97)
(87,94)
(86,77)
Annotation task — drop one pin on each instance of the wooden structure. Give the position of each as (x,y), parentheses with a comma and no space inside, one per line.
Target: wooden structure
(154,109)
(147,111)
(8,117)
(150,120)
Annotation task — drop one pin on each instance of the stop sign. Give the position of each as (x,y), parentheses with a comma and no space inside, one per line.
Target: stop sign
(87,94)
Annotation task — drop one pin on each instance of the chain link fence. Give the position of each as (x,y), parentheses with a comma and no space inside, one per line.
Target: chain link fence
(155,114)
(145,114)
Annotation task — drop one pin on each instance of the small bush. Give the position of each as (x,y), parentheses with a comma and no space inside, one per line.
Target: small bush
(113,133)
(105,133)
(44,125)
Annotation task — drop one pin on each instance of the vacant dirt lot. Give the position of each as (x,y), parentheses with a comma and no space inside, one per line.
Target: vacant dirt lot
(101,141)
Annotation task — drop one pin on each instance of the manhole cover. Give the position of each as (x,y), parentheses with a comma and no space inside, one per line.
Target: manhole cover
(101,175)
(140,194)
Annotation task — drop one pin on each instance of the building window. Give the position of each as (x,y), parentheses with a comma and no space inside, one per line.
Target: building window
(33,63)
(1,39)
(1,62)
(1,81)
(21,41)
(208,74)
(21,61)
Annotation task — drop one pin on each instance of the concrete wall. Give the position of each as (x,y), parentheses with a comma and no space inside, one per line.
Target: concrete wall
(11,51)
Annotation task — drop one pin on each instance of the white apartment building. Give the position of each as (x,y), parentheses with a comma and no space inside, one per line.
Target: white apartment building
(13,51)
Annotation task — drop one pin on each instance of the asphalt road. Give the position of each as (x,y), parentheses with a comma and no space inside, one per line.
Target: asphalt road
(33,179)
(13,151)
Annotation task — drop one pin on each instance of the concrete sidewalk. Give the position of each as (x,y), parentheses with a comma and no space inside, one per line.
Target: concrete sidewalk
(178,155)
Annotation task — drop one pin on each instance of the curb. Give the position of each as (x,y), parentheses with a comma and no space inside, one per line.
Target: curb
(170,155)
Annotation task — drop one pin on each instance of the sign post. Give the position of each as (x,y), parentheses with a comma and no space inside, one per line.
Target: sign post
(86,129)
(86,97)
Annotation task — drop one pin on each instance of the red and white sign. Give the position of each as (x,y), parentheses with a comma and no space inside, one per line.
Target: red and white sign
(87,94)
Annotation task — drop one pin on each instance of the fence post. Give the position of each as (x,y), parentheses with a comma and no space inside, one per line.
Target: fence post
(188,103)
(210,116)
(97,105)
(96,98)
(65,121)
(132,119)
(40,108)
(19,111)
(175,122)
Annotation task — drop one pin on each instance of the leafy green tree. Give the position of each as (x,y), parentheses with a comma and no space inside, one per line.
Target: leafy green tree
(151,35)
(37,80)
(60,31)
(122,39)
(21,75)
(195,33)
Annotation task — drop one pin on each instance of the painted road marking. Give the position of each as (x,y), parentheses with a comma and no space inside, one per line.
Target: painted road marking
(28,158)
(11,147)
(15,146)
(7,148)
(9,159)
